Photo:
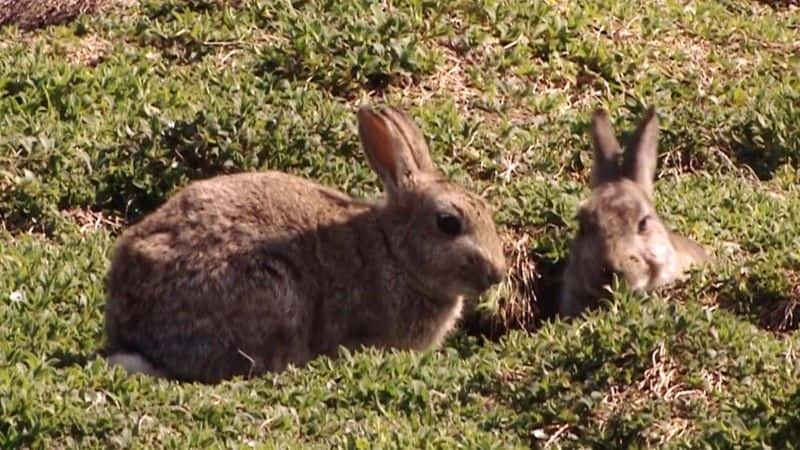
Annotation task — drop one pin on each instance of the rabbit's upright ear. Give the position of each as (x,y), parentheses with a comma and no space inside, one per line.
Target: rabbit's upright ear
(606,149)
(639,163)
(395,148)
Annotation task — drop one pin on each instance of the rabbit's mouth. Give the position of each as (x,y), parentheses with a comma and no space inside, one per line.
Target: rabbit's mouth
(473,287)
(436,294)
(636,280)
(660,275)
(462,291)
(473,293)
(465,291)
(461,285)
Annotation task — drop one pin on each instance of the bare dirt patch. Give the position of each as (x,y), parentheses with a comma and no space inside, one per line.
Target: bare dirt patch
(88,51)
(32,14)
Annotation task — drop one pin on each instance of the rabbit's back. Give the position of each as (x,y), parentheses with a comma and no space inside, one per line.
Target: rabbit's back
(248,273)
(690,252)
(218,282)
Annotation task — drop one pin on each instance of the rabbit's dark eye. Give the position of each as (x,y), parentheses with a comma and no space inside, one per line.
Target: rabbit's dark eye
(644,224)
(448,224)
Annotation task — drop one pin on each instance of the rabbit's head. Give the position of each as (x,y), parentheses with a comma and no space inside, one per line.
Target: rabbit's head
(619,231)
(442,235)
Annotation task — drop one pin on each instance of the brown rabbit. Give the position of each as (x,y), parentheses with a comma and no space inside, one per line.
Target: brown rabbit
(619,229)
(247,273)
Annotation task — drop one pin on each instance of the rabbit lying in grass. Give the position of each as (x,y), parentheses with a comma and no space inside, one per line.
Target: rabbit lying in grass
(247,273)
(619,229)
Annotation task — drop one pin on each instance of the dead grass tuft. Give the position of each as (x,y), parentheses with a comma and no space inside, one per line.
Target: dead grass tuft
(662,382)
(518,304)
(89,51)
(451,77)
(89,221)
(514,303)
(461,78)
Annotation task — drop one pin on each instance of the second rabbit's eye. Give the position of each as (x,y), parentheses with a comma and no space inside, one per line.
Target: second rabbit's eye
(584,228)
(587,224)
(644,224)
(448,224)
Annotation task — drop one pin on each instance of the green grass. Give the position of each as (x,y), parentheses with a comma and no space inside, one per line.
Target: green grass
(102,118)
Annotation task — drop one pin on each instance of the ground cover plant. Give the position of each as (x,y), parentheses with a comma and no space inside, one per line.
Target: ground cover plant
(102,116)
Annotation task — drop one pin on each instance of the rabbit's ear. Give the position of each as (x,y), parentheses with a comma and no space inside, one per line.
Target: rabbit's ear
(639,162)
(606,149)
(395,148)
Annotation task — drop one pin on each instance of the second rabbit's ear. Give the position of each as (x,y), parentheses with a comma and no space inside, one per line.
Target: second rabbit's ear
(395,148)
(639,162)
(607,150)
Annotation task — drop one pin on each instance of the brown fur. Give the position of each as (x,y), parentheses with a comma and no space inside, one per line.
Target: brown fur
(620,232)
(247,273)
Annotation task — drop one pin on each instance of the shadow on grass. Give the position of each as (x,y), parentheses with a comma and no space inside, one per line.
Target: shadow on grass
(345,85)
(779,4)
(159,162)
(768,139)
(790,430)
(62,359)
(169,10)
(768,300)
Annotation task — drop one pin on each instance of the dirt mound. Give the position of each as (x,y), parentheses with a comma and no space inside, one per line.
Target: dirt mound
(32,14)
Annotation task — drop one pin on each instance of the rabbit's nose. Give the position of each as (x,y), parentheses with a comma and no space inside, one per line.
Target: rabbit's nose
(495,272)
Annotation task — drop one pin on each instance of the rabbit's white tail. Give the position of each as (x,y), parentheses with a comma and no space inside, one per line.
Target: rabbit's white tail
(134,363)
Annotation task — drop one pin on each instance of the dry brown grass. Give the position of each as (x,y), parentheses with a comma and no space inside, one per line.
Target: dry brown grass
(518,306)
(467,78)
(451,77)
(662,382)
(514,303)
(89,221)
(88,51)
